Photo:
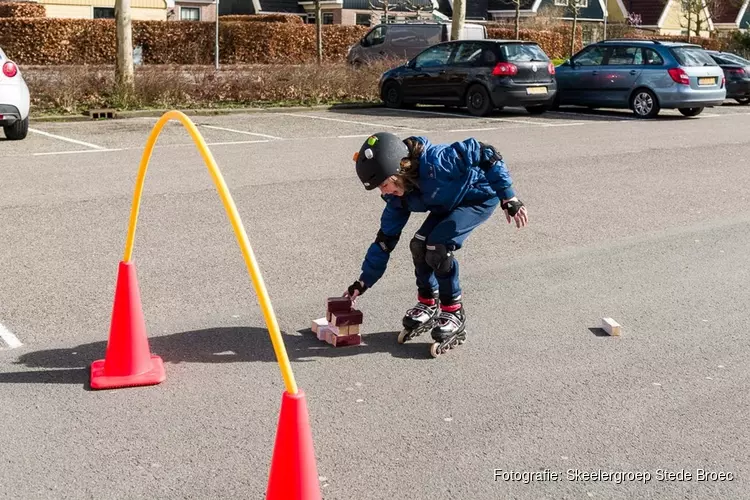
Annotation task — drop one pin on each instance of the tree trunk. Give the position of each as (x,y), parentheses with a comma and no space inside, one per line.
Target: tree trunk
(518,19)
(124,73)
(459,16)
(319,31)
(573,33)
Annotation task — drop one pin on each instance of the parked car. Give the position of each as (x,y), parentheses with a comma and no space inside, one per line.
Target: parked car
(406,40)
(14,100)
(481,75)
(642,75)
(737,73)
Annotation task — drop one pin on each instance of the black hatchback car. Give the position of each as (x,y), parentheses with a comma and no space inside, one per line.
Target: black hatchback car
(737,73)
(481,75)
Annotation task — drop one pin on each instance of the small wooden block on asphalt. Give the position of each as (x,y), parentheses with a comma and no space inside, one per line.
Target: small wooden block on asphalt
(346,340)
(611,327)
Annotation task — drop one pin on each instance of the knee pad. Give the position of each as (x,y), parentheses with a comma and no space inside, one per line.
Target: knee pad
(418,247)
(439,258)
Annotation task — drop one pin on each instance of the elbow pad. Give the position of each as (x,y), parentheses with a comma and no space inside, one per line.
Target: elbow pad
(385,242)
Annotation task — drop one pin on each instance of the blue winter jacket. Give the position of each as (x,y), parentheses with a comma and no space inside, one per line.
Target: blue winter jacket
(449,176)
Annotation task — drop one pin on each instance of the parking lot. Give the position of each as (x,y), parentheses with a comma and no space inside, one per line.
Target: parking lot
(52,138)
(642,221)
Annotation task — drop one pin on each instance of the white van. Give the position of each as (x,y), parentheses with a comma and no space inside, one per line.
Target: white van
(406,40)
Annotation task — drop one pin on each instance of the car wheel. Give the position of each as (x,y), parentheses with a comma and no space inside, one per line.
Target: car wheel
(644,104)
(18,130)
(478,101)
(537,110)
(743,100)
(690,111)
(392,95)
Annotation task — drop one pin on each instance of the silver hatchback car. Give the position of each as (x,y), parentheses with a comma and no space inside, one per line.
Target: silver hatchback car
(642,75)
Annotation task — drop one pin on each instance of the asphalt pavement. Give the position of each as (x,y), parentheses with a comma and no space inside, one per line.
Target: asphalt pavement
(646,222)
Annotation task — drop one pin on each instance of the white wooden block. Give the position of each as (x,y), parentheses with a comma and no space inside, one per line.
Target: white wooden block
(318,324)
(611,327)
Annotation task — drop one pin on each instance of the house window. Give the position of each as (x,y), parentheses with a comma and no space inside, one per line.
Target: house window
(564,3)
(363,19)
(327,18)
(104,13)
(190,14)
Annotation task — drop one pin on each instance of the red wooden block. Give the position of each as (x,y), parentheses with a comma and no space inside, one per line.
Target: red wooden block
(353,317)
(346,340)
(338,304)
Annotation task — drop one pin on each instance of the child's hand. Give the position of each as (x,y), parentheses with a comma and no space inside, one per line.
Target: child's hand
(515,207)
(355,290)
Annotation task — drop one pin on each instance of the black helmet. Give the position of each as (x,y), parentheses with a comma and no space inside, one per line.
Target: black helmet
(379,158)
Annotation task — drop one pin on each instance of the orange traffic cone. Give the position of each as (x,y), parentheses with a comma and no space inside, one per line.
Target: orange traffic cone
(294,475)
(128,361)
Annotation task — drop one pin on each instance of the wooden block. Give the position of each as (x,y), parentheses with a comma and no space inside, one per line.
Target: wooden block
(347,330)
(327,332)
(318,324)
(338,304)
(330,335)
(611,327)
(353,317)
(346,340)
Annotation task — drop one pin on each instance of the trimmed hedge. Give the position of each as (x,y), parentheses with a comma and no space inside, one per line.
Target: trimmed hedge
(22,9)
(263,18)
(93,41)
(553,44)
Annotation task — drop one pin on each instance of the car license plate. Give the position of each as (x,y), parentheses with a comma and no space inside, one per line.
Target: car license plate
(707,81)
(536,90)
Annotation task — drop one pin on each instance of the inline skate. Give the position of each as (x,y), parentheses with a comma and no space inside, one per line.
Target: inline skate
(450,329)
(419,319)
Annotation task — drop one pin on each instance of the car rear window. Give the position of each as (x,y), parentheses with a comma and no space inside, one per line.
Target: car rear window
(735,59)
(522,52)
(693,56)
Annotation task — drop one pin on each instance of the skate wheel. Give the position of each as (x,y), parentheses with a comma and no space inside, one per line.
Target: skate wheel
(402,336)
(435,350)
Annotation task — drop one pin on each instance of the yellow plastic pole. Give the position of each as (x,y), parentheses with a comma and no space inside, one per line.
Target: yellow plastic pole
(239,231)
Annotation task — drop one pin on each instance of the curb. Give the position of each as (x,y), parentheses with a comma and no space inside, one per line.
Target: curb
(203,112)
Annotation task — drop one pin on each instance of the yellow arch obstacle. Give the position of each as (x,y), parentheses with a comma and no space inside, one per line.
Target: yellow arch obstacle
(128,361)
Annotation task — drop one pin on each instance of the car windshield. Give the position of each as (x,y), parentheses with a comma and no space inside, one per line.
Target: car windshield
(693,56)
(517,52)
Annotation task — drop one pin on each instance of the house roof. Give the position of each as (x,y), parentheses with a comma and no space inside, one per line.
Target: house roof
(728,12)
(649,10)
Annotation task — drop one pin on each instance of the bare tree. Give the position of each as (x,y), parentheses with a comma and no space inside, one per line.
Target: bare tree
(384,5)
(517,5)
(417,7)
(124,72)
(574,10)
(319,31)
(693,18)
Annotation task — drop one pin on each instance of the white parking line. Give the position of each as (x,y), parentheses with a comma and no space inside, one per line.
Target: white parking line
(87,144)
(9,338)
(299,115)
(77,152)
(502,120)
(240,131)
(230,143)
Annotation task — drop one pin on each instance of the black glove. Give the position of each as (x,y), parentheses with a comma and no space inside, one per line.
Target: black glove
(512,206)
(357,285)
